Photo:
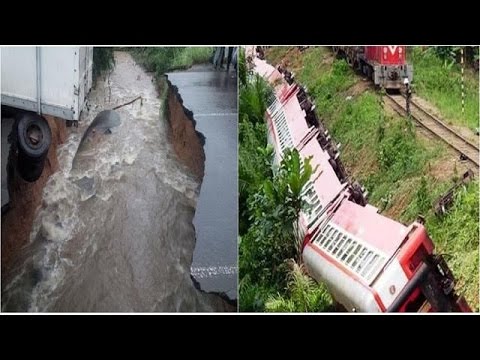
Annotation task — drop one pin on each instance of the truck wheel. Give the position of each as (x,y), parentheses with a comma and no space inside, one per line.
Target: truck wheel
(30,169)
(34,135)
(33,141)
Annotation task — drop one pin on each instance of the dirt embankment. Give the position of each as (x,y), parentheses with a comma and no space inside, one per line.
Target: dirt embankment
(187,142)
(26,197)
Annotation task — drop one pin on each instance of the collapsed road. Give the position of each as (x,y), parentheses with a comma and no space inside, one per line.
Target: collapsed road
(114,231)
(212,97)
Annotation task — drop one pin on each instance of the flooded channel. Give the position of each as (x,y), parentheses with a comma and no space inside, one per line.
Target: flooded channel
(115,229)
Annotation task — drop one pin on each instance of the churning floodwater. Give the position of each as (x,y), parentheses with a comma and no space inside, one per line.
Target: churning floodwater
(212,97)
(114,231)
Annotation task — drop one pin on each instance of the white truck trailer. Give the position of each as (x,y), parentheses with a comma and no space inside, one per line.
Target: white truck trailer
(38,81)
(47,80)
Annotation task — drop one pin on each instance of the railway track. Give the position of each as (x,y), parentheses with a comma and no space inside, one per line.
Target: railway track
(436,127)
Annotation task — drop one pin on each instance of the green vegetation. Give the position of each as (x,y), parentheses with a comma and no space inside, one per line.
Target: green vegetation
(456,235)
(269,206)
(303,294)
(325,80)
(103,60)
(276,54)
(163,59)
(242,68)
(386,155)
(437,78)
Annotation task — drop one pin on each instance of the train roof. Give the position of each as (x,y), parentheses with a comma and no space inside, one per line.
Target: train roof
(289,121)
(267,71)
(367,224)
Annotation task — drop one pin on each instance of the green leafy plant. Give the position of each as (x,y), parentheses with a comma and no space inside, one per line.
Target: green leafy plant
(253,99)
(103,61)
(274,210)
(242,67)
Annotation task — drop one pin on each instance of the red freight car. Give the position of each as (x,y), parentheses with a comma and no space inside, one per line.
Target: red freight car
(385,65)
(369,262)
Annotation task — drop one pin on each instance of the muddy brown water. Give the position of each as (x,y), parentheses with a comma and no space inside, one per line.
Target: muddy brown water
(114,231)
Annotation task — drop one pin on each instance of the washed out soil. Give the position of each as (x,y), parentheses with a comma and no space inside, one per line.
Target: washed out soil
(26,197)
(187,142)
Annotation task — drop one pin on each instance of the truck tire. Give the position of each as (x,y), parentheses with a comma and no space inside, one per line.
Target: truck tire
(33,141)
(30,169)
(34,136)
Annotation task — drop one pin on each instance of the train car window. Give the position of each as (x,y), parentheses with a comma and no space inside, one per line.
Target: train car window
(325,234)
(357,264)
(318,235)
(346,248)
(316,215)
(353,253)
(330,238)
(376,265)
(358,257)
(368,262)
(342,247)
(335,241)
(351,244)
(364,265)
(339,245)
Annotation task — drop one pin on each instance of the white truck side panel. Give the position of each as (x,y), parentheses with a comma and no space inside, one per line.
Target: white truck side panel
(65,79)
(59,72)
(19,72)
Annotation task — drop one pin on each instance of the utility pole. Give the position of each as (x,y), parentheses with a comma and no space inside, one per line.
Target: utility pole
(463,89)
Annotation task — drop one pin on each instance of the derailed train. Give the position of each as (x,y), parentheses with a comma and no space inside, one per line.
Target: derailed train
(369,262)
(386,65)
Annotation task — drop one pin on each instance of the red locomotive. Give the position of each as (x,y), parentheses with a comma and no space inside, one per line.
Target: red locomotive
(370,263)
(385,65)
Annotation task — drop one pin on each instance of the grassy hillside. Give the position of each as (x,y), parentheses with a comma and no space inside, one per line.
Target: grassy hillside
(439,81)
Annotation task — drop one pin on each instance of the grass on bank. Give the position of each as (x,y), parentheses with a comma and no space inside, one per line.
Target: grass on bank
(387,156)
(163,59)
(440,82)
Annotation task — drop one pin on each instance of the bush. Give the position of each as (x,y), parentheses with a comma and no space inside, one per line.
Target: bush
(163,59)
(253,99)
(273,210)
(103,61)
